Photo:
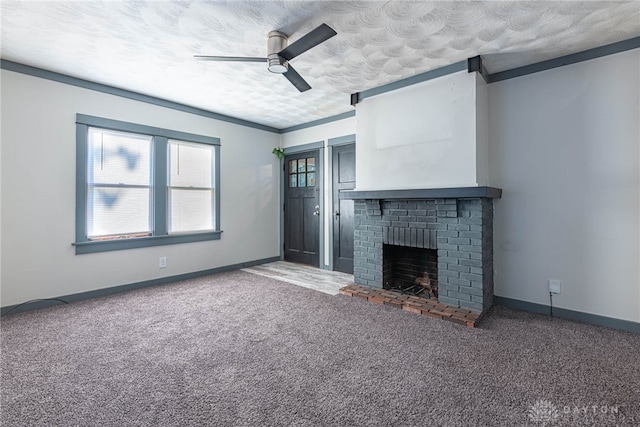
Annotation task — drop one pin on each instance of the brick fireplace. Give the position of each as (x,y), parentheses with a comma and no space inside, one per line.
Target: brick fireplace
(445,235)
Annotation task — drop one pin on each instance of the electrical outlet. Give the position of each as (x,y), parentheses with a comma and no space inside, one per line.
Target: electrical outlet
(555,286)
(163,262)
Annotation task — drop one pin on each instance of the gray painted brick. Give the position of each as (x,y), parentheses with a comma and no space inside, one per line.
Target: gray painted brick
(470,248)
(470,290)
(471,305)
(448,233)
(476,270)
(459,254)
(448,220)
(449,301)
(417,225)
(452,214)
(445,287)
(448,260)
(471,276)
(471,234)
(459,268)
(470,221)
(436,226)
(471,263)
(458,227)
(459,241)
(476,298)
(448,273)
(450,207)
(459,296)
(476,284)
(447,246)
(459,282)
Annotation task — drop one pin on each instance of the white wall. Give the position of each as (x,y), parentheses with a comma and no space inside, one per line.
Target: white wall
(320,133)
(420,136)
(565,151)
(38,193)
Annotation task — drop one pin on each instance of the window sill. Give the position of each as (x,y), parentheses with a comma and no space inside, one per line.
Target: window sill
(90,247)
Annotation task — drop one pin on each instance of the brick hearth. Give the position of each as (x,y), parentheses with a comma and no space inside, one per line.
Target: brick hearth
(429,307)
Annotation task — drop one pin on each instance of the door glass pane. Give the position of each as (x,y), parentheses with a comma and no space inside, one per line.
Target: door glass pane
(293,180)
(311,179)
(311,164)
(301,166)
(293,165)
(301,180)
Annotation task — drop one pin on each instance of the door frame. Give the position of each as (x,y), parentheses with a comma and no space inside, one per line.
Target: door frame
(318,147)
(333,142)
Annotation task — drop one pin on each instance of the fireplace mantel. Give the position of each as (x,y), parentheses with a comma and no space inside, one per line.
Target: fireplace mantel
(424,193)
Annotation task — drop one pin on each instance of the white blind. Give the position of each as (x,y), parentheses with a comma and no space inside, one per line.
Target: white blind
(118,184)
(190,186)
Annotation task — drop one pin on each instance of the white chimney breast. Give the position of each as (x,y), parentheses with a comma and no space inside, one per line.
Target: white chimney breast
(428,135)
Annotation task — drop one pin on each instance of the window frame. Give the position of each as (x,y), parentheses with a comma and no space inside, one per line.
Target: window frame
(159,183)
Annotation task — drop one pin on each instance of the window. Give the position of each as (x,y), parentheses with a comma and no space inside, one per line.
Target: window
(190,186)
(302,172)
(141,186)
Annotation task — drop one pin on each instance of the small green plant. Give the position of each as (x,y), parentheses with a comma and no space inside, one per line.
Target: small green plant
(278,152)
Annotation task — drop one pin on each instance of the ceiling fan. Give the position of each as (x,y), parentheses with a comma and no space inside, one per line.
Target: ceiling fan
(279,53)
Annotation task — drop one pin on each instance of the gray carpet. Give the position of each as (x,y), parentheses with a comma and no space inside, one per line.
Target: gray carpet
(240,349)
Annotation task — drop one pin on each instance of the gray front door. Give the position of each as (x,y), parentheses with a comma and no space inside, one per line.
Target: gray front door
(344,178)
(302,209)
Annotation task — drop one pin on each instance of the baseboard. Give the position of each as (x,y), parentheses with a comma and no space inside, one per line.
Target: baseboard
(594,319)
(44,303)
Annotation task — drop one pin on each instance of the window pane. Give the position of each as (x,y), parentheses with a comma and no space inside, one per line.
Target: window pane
(311,164)
(293,180)
(190,210)
(118,158)
(301,180)
(118,211)
(191,165)
(293,165)
(311,179)
(301,166)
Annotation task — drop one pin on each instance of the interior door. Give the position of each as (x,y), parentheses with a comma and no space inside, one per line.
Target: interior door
(344,178)
(302,209)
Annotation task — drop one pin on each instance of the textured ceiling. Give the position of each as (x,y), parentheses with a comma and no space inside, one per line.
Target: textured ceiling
(148,47)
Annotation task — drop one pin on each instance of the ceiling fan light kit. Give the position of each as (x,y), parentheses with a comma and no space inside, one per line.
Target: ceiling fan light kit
(276,42)
(279,53)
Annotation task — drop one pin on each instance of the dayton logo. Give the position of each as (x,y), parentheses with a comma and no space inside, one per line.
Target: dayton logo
(543,412)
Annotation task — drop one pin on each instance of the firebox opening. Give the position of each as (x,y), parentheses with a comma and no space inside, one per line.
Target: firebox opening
(410,270)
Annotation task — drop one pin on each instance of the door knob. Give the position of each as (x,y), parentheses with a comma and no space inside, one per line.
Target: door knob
(316,211)
(336,214)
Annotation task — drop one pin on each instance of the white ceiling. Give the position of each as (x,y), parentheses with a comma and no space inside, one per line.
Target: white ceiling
(147,47)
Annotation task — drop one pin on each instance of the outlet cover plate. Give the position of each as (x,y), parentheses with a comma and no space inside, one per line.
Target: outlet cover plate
(162,262)
(555,286)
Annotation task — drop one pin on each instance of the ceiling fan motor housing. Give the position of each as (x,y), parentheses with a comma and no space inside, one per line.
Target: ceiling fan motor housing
(276,42)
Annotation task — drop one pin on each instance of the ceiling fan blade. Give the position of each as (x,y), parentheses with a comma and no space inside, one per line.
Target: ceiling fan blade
(309,40)
(296,80)
(229,58)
